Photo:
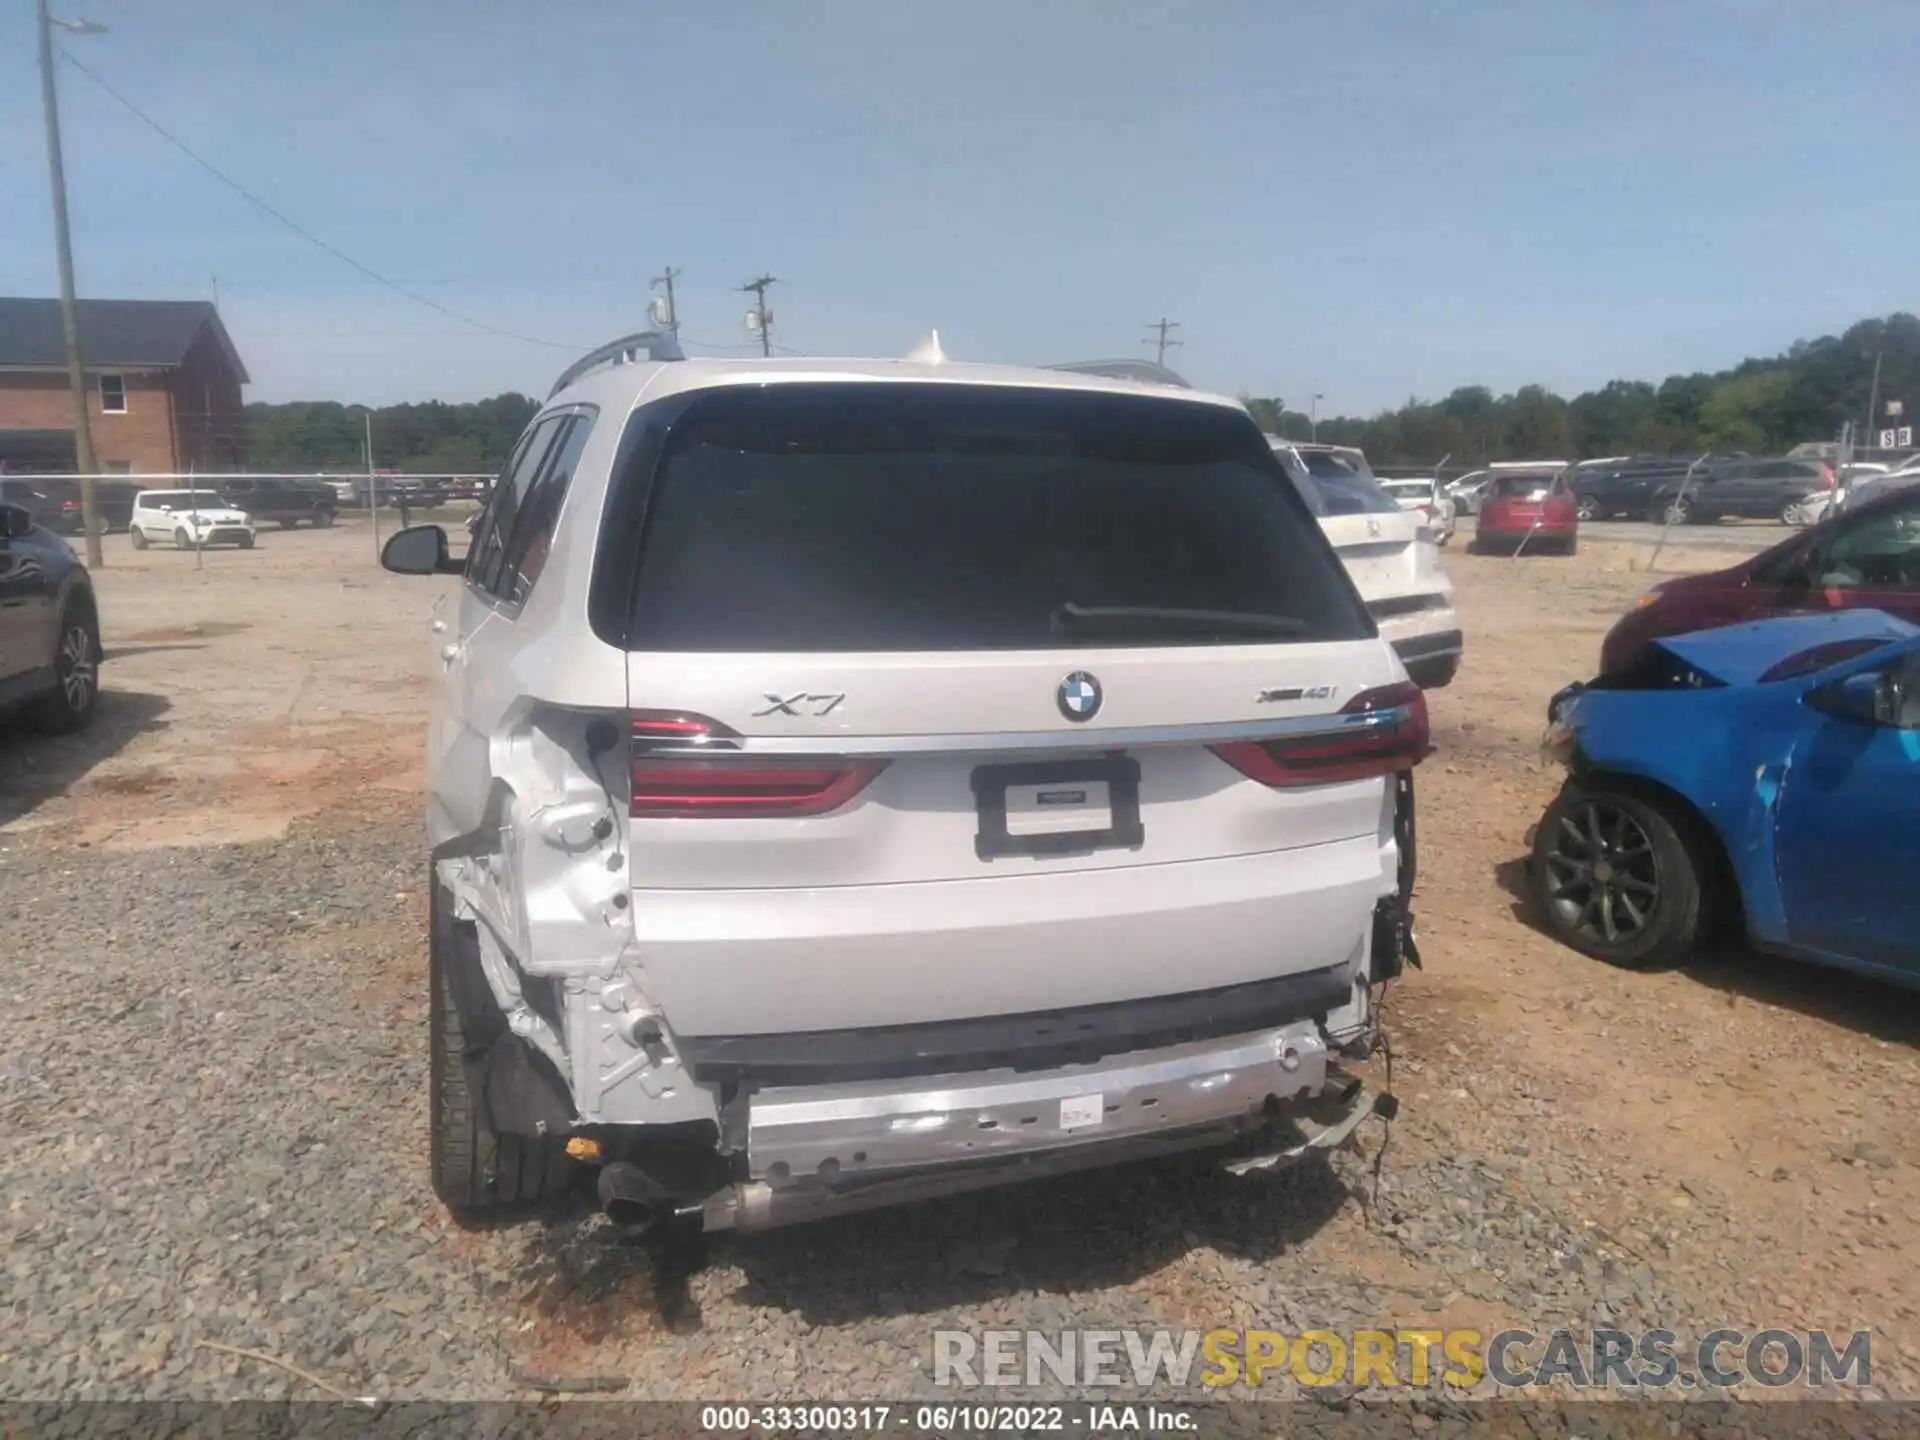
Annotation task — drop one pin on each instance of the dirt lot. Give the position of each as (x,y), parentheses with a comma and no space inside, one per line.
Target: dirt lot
(212,1072)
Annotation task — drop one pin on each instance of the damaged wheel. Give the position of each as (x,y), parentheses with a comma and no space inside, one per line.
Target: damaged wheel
(476,1169)
(1614,877)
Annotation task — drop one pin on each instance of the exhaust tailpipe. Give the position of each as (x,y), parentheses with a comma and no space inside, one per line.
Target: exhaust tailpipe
(633,1199)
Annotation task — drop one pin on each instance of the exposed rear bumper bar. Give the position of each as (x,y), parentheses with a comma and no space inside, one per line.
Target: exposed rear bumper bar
(1030,1042)
(1267,1141)
(829,1133)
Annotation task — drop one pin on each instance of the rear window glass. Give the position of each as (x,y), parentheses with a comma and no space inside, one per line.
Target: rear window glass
(1352,494)
(1335,464)
(1522,484)
(883,518)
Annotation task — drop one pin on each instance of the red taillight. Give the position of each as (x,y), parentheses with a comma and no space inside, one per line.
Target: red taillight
(689,765)
(1826,476)
(66,505)
(1378,748)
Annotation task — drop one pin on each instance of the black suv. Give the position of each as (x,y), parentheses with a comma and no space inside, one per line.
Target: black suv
(54,501)
(285,501)
(1622,484)
(1756,489)
(49,628)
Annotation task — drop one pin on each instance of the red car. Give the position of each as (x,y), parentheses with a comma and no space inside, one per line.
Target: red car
(1863,558)
(1534,508)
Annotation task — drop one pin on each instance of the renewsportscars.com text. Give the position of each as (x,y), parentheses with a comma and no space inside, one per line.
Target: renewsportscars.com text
(1512,1359)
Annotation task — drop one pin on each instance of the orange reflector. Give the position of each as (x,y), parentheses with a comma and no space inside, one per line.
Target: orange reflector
(581,1148)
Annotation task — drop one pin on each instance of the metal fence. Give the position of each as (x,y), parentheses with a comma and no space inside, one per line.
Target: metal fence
(390,488)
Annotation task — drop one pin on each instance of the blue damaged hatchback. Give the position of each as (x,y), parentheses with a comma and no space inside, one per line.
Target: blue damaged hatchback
(1769,771)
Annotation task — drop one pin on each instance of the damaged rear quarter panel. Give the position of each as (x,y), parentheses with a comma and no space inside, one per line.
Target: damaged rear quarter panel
(1725,751)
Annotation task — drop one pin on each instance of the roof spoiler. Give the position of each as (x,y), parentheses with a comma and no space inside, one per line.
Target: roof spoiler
(1144,371)
(658,345)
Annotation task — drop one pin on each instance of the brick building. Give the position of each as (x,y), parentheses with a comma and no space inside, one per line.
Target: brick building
(163,387)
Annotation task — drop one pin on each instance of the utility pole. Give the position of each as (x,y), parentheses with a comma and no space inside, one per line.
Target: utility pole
(1160,342)
(373,490)
(1873,399)
(759,318)
(673,310)
(69,308)
(1313,417)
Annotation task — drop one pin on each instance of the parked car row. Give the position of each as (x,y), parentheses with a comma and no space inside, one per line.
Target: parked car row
(1675,490)
(55,501)
(398,490)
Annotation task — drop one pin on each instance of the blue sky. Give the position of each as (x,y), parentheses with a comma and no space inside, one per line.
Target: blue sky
(1368,200)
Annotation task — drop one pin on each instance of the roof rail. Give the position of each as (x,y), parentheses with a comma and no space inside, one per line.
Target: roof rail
(658,345)
(1144,371)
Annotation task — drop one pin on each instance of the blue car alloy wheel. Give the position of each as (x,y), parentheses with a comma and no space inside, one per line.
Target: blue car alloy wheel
(1616,878)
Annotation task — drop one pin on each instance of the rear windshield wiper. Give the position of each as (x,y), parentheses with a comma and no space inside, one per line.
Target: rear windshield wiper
(1072,619)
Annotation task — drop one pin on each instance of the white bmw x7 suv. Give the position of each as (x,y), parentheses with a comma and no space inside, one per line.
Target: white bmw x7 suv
(853,781)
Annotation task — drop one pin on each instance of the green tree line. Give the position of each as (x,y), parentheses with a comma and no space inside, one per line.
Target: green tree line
(1761,406)
(434,438)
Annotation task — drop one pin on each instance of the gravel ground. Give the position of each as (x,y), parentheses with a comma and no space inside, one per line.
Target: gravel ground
(213,1067)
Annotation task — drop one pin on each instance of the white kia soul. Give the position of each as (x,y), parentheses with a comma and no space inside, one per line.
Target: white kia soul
(853,781)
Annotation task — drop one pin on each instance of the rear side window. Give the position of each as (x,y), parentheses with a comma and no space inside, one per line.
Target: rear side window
(889,518)
(539,510)
(486,561)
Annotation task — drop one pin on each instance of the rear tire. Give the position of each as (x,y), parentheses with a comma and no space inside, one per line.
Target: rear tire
(138,537)
(475,1169)
(1615,877)
(69,706)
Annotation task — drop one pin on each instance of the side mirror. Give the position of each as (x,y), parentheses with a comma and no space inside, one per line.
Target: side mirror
(17,522)
(1871,697)
(419,550)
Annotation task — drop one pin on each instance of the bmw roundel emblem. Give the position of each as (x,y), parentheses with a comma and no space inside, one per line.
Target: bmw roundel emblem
(1079,696)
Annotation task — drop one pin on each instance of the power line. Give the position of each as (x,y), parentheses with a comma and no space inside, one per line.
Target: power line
(1162,342)
(303,233)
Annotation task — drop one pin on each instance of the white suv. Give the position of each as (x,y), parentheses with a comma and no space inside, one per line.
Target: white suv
(858,780)
(1391,551)
(189,519)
